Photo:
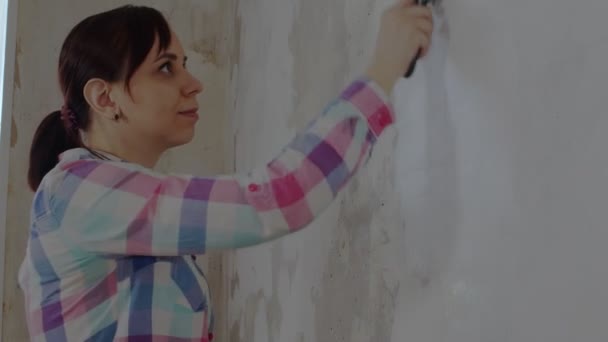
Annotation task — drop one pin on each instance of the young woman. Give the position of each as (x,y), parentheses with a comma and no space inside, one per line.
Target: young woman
(111,249)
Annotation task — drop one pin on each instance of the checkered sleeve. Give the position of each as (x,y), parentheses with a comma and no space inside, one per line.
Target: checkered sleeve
(120,208)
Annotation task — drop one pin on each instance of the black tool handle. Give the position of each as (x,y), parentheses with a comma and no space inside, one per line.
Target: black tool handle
(410,71)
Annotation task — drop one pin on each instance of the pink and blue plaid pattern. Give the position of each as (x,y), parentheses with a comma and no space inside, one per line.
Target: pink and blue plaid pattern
(109,252)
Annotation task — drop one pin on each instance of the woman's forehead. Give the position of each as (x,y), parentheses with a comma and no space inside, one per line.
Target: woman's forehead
(173,49)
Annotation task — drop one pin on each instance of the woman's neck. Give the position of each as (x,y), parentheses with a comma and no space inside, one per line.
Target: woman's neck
(141,153)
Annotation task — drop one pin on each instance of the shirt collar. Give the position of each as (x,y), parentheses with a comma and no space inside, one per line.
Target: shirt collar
(84,153)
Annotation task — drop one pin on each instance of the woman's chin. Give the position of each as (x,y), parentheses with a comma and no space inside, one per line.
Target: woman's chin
(184,137)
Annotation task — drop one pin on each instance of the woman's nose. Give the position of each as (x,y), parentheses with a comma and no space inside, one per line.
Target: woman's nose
(193,86)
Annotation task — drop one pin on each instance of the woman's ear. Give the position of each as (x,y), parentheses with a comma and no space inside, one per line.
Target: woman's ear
(97,94)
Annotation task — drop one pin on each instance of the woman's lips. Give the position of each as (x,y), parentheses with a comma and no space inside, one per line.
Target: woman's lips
(192,113)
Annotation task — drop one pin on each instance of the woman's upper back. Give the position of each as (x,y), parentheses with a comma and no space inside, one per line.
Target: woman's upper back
(75,294)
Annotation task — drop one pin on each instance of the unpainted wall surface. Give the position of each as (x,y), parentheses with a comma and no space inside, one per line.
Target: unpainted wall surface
(500,233)
(327,282)
(208,36)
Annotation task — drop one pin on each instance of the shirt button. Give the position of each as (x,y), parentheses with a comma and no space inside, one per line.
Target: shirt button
(254,187)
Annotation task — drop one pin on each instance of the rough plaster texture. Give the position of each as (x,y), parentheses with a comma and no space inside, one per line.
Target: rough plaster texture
(208,35)
(327,282)
(500,234)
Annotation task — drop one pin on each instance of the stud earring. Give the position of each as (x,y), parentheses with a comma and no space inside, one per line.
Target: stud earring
(116,117)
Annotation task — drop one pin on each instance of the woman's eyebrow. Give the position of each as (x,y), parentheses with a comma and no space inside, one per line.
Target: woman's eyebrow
(170,56)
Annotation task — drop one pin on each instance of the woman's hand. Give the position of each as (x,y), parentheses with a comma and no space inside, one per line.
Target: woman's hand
(404,29)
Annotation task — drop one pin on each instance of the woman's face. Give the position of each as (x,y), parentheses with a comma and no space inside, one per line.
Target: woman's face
(161,106)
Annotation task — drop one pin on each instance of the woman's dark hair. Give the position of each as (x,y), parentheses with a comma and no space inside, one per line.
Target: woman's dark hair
(110,46)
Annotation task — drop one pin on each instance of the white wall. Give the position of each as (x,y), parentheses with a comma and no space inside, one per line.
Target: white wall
(526,100)
(502,234)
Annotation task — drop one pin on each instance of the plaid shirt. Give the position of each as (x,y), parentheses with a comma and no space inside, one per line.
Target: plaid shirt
(109,254)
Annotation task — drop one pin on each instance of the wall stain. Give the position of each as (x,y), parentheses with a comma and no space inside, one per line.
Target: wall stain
(235,332)
(205,30)
(384,311)
(273,310)
(14,134)
(207,48)
(235,53)
(351,291)
(216,33)
(291,268)
(274,313)
(248,314)
(336,306)
(234,284)
(17,75)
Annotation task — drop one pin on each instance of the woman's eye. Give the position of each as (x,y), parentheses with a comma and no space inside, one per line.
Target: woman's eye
(166,68)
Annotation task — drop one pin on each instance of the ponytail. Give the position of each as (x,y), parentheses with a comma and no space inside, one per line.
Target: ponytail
(52,138)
